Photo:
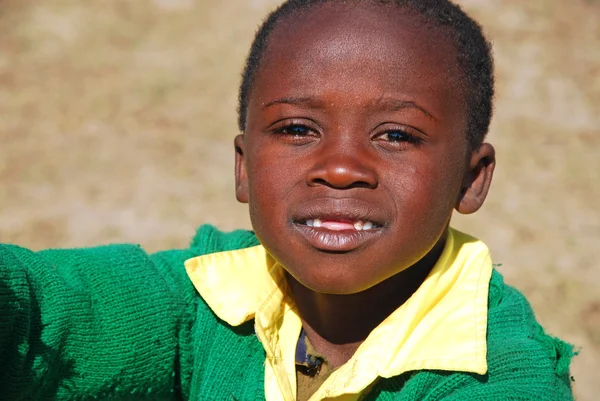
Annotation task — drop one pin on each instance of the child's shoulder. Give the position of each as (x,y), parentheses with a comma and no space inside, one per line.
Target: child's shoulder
(511,319)
(209,239)
(520,352)
(524,363)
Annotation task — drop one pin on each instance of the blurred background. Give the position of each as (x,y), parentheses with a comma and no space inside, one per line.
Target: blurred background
(117,121)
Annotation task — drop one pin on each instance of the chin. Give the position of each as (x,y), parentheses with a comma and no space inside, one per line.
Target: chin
(332,284)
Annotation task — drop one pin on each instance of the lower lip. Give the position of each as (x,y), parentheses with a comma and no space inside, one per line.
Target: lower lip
(336,241)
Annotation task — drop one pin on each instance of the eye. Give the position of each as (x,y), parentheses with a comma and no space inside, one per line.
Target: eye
(398,136)
(294,133)
(297,130)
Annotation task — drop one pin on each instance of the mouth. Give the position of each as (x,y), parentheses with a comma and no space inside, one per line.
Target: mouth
(341,224)
(337,234)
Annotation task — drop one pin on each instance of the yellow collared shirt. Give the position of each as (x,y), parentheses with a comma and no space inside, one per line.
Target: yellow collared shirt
(441,327)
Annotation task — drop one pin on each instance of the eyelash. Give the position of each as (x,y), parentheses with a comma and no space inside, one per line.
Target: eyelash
(403,136)
(288,127)
(286,134)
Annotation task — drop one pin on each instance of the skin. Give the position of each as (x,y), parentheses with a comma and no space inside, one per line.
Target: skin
(357,114)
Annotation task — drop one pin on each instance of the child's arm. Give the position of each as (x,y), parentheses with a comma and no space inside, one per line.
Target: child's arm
(99,323)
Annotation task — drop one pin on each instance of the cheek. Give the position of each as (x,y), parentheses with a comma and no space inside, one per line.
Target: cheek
(426,191)
(270,179)
(266,177)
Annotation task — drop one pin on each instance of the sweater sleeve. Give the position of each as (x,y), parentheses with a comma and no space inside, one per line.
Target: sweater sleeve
(99,323)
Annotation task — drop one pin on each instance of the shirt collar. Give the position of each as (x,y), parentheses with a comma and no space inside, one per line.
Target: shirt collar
(441,327)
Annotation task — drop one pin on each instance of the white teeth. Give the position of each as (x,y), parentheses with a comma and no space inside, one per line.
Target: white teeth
(358,225)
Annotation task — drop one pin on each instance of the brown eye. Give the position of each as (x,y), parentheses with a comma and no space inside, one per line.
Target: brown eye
(294,133)
(396,136)
(296,130)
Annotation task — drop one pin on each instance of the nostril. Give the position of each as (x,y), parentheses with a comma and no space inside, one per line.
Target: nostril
(353,184)
(342,172)
(318,181)
(364,184)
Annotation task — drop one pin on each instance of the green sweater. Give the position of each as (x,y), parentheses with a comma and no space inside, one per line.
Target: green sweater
(114,323)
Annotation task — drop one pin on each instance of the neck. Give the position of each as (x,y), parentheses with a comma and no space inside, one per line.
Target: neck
(336,325)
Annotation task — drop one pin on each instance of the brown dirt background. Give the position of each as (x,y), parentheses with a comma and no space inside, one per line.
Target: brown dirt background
(117,119)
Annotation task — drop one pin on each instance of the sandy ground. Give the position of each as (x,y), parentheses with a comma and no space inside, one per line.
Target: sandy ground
(117,119)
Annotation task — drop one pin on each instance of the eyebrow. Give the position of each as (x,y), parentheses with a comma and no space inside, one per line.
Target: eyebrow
(386,104)
(397,104)
(296,101)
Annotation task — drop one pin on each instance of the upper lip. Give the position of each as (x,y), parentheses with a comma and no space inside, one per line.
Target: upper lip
(344,209)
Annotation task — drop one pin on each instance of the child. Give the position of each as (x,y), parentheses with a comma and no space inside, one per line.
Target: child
(363,128)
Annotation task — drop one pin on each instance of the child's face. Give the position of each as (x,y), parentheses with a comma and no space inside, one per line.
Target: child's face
(356,117)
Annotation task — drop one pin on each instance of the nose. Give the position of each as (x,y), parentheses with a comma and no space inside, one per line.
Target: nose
(340,170)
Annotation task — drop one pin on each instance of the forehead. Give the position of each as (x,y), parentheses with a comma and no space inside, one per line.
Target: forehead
(344,43)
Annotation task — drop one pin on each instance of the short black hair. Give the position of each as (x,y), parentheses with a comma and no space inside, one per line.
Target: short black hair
(474,55)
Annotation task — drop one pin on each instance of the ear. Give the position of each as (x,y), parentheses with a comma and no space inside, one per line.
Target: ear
(241,178)
(477,179)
